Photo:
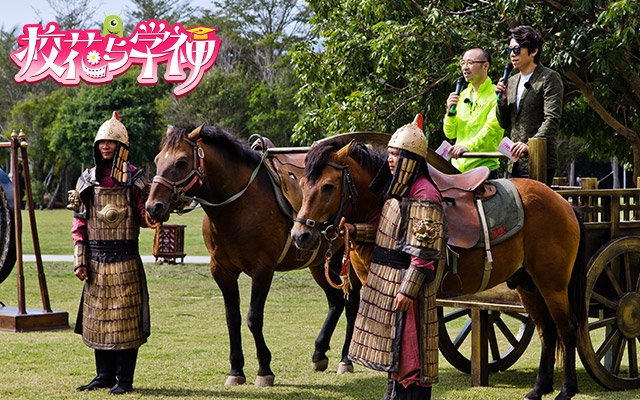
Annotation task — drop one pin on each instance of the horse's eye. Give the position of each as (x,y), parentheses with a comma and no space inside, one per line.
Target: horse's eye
(327,188)
(181,164)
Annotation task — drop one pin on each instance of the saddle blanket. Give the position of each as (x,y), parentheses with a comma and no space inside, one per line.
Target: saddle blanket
(503,212)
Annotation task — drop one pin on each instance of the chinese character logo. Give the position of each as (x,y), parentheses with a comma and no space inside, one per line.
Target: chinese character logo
(69,57)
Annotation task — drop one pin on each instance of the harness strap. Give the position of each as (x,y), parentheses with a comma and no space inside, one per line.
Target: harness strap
(488,261)
(286,248)
(232,198)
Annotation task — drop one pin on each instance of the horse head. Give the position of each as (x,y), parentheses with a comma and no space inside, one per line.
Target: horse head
(179,173)
(336,176)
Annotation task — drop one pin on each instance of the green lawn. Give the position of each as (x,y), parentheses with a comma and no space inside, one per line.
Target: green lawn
(187,354)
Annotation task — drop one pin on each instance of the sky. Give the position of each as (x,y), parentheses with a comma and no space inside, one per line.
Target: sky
(20,12)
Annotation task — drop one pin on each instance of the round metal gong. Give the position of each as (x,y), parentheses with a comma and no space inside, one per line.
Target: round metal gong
(7,232)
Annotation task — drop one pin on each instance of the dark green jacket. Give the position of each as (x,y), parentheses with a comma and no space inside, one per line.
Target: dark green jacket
(539,114)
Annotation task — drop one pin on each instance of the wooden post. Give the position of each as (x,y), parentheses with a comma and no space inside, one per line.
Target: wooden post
(44,291)
(17,223)
(21,318)
(589,183)
(538,159)
(479,347)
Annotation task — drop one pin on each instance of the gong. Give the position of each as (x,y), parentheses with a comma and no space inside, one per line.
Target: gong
(7,230)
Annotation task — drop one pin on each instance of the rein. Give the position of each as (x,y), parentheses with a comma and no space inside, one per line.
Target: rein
(348,186)
(197,175)
(345,266)
(330,232)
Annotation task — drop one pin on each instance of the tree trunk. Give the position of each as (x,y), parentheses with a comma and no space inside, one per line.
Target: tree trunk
(629,134)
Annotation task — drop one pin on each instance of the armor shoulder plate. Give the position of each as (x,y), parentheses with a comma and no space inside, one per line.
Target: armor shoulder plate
(423,230)
(139,179)
(86,180)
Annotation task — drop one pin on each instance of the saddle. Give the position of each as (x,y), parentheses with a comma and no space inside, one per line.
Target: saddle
(285,168)
(459,194)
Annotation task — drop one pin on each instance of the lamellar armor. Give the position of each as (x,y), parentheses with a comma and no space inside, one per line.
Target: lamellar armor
(114,301)
(407,227)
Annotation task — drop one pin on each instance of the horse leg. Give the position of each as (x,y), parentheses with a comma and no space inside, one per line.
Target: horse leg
(539,313)
(566,331)
(336,302)
(228,284)
(260,285)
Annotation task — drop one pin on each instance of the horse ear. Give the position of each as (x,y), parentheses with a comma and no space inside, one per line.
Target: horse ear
(195,133)
(343,153)
(170,129)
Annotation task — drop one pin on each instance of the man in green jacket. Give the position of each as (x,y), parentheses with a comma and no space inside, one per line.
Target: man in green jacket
(531,105)
(474,125)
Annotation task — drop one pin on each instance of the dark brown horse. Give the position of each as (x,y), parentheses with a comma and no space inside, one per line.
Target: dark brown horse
(548,245)
(245,231)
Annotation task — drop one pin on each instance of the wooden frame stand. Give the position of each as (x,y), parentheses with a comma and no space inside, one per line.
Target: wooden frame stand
(21,319)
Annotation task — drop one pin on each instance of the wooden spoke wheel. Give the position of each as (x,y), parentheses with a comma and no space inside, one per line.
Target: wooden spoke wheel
(509,334)
(608,344)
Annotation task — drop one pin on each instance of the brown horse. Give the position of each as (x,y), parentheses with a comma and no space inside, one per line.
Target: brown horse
(245,231)
(548,245)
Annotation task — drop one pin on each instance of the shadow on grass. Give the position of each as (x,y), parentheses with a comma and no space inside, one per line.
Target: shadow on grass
(357,390)
(521,381)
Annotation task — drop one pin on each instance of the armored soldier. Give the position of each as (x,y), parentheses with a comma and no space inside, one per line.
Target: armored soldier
(108,205)
(396,328)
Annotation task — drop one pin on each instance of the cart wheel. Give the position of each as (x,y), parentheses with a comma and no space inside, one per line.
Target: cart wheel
(506,343)
(608,346)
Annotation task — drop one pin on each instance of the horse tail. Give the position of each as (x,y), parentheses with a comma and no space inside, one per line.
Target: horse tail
(578,281)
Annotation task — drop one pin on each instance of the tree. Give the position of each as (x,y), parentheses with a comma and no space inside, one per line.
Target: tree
(250,90)
(73,14)
(35,116)
(374,65)
(79,119)
(172,11)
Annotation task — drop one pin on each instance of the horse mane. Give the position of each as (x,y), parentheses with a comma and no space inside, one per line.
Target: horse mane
(228,143)
(367,157)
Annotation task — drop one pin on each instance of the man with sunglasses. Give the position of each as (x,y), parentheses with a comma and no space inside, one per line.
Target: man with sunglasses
(474,125)
(531,103)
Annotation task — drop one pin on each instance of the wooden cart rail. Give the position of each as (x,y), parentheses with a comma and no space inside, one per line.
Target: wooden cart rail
(608,214)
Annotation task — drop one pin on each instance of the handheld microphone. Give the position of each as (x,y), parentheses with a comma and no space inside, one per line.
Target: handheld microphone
(459,82)
(505,76)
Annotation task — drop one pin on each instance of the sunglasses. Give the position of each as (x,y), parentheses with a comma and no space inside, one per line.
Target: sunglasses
(514,49)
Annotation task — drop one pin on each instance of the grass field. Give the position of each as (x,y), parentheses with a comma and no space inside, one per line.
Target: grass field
(187,354)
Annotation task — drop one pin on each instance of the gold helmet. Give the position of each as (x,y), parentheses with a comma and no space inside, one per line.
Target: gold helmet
(114,130)
(411,138)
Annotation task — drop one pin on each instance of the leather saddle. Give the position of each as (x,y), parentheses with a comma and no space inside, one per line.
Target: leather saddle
(459,194)
(285,169)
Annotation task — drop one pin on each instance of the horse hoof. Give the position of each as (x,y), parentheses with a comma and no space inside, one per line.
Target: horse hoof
(235,380)
(320,365)
(345,368)
(265,381)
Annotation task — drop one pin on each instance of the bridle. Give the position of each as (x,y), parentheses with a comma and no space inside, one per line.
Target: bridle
(181,187)
(328,229)
(196,176)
